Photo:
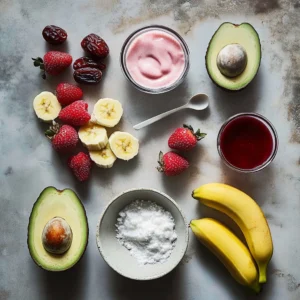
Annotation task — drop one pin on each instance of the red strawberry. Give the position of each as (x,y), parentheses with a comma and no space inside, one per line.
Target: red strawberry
(67,93)
(54,62)
(80,165)
(184,138)
(172,164)
(75,114)
(64,138)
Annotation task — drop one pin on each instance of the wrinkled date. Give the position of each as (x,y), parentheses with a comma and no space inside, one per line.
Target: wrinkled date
(85,62)
(95,45)
(54,34)
(87,75)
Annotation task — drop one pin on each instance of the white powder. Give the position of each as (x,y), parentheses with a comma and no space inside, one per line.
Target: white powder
(147,230)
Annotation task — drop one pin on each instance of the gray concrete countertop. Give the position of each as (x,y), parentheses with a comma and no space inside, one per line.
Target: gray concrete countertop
(28,163)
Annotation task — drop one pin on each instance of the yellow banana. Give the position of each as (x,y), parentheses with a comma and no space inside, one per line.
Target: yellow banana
(248,216)
(229,249)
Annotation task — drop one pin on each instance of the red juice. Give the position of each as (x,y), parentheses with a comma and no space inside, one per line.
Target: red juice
(246,142)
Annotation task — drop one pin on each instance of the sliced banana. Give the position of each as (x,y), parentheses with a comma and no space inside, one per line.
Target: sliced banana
(107,112)
(104,158)
(93,136)
(46,106)
(124,145)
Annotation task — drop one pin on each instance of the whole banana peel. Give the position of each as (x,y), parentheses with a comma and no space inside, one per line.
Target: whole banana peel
(229,249)
(248,216)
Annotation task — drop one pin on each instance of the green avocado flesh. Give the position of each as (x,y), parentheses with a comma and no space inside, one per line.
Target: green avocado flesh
(64,204)
(244,35)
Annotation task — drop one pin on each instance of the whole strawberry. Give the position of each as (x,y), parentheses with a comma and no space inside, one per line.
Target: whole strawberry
(172,164)
(54,62)
(75,114)
(184,138)
(95,45)
(64,138)
(68,93)
(80,165)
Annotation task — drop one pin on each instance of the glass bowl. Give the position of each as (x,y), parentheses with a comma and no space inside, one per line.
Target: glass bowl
(127,44)
(272,131)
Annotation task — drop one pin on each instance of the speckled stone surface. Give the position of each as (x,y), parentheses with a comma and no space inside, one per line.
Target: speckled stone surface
(28,163)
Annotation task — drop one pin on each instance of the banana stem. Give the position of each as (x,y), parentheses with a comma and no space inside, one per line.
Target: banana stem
(256,287)
(262,278)
(262,273)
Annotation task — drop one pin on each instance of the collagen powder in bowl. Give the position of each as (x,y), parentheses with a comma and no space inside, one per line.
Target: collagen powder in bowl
(142,234)
(147,231)
(155,59)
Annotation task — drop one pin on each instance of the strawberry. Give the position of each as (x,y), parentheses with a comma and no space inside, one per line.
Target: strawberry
(184,138)
(68,93)
(64,138)
(54,62)
(172,164)
(80,165)
(75,114)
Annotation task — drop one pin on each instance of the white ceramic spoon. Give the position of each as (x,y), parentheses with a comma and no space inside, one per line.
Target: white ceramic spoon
(197,102)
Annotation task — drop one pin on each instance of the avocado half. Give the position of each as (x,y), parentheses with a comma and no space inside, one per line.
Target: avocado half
(228,33)
(65,204)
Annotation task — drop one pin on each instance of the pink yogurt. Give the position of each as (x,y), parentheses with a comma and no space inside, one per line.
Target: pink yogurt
(155,59)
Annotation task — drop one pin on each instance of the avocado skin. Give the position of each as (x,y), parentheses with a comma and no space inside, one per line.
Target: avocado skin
(88,230)
(221,87)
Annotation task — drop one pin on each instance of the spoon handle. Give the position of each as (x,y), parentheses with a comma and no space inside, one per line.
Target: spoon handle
(157,118)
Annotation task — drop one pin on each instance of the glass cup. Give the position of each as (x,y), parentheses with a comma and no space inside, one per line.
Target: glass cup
(132,37)
(272,131)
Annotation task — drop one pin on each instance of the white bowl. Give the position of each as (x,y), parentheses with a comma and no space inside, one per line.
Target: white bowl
(118,257)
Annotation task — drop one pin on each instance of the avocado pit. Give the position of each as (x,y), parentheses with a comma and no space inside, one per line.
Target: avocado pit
(232,60)
(57,236)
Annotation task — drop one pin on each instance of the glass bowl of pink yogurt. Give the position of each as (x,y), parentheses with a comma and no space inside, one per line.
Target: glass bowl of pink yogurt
(155,59)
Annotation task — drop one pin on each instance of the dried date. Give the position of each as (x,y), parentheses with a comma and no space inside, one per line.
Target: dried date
(95,45)
(87,62)
(54,34)
(87,75)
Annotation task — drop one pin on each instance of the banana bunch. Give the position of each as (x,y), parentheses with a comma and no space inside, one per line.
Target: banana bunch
(249,217)
(229,249)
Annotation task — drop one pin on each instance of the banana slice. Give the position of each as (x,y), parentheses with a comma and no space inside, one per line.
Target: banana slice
(93,136)
(107,112)
(124,145)
(46,106)
(104,158)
